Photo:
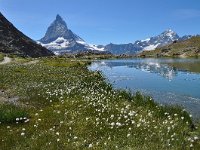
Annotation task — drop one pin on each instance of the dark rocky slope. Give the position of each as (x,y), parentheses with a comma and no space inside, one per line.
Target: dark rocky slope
(13,41)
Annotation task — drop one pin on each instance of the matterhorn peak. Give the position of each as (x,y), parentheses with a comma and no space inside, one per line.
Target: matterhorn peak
(58,17)
(60,39)
(56,30)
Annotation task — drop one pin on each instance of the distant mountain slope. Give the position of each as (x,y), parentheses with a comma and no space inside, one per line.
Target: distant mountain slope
(165,38)
(186,48)
(60,39)
(14,41)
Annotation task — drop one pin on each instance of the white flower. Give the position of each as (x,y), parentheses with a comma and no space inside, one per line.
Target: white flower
(118,124)
(112,124)
(90,145)
(22,134)
(196,138)
(133,122)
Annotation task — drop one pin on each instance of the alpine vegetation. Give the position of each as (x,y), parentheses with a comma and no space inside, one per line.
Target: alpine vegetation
(63,105)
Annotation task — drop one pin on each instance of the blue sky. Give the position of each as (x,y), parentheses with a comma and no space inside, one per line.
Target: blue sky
(105,21)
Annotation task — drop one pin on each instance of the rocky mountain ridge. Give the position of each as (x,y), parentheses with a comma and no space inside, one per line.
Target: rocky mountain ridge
(14,41)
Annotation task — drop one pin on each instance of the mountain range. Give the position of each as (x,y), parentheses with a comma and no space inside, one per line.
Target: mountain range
(60,39)
(15,42)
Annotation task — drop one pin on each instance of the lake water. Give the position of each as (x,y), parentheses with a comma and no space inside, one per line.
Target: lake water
(168,81)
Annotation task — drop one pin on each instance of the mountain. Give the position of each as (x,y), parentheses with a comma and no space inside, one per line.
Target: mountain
(15,42)
(60,39)
(165,38)
(118,49)
(181,48)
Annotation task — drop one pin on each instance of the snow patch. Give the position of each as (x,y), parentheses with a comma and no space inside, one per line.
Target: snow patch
(146,40)
(151,47)
(59,43)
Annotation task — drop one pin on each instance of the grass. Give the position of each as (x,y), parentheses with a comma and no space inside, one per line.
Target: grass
(1,57)
(9,113)
(69,107)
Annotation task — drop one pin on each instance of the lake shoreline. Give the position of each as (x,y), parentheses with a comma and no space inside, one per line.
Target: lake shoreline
(67,103)
(111,70)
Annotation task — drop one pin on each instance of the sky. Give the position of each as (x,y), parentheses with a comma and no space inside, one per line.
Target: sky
(105,21)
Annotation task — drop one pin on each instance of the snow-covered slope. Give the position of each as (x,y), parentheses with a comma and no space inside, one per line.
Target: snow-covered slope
(165,38)
(60,39)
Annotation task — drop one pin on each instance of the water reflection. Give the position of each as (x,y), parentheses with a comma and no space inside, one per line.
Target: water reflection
(171,81)
(151,66)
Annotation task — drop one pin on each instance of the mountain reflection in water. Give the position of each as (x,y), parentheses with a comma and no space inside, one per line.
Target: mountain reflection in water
(162,79)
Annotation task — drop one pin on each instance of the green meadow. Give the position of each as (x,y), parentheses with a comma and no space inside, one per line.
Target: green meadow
(57,103)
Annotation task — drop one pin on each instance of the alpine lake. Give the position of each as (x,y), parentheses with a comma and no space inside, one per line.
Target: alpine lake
(167,81)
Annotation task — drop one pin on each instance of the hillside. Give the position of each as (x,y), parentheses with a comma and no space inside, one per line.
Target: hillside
(15,42)
(187,48)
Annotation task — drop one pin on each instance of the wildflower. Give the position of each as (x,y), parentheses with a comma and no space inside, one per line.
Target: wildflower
(118,124)
(133,122)
(196,138)
(22,134)
(112,124)
(27,120)
(90,145)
